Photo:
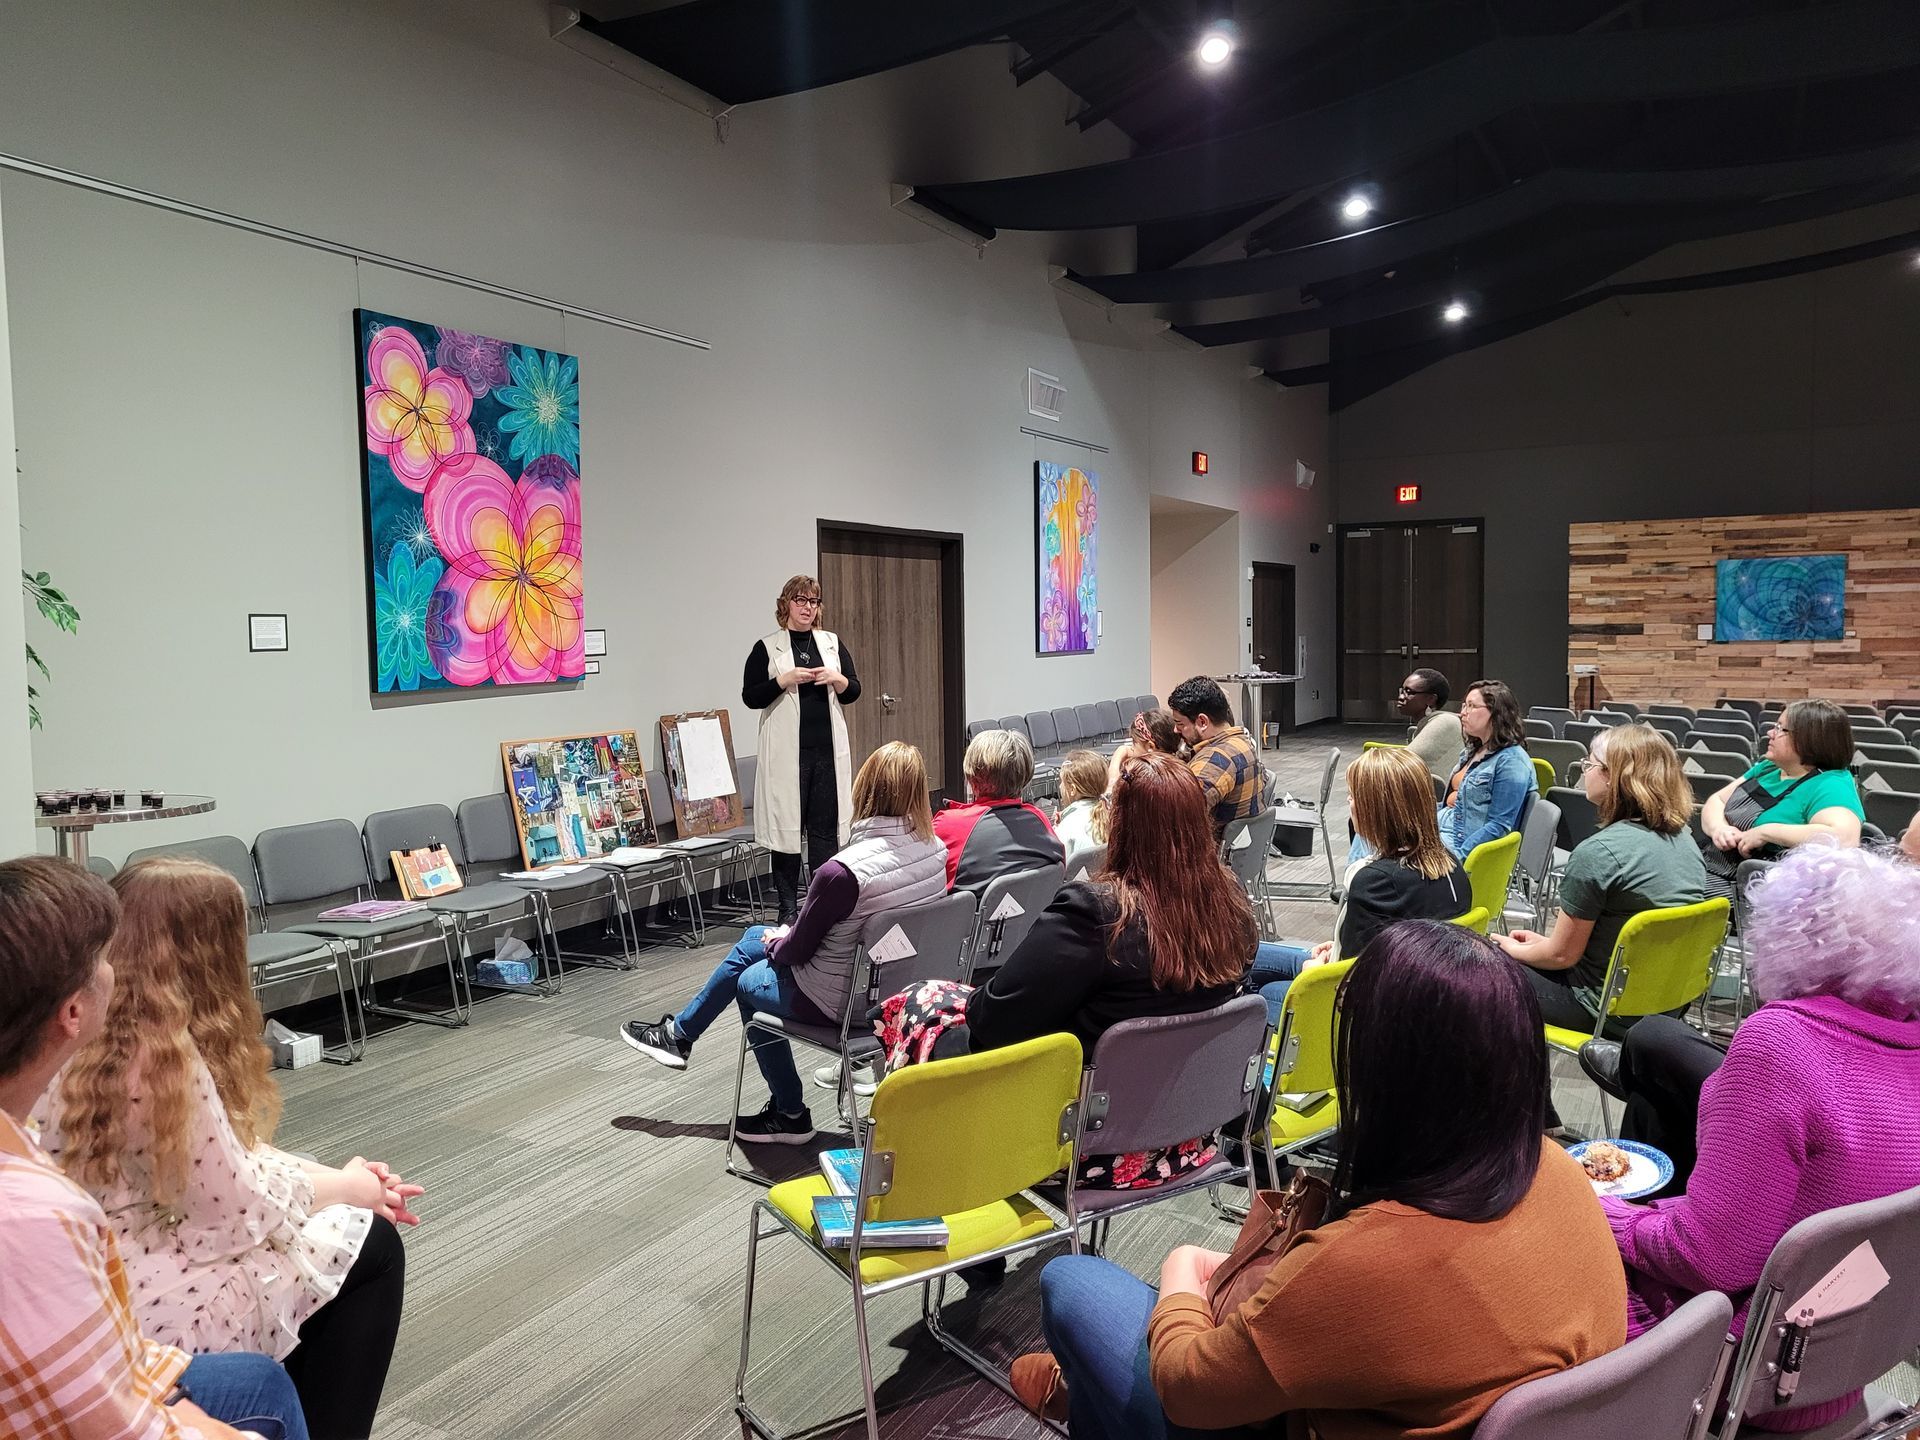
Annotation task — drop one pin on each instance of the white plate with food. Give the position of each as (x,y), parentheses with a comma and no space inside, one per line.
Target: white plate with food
(1624,1169)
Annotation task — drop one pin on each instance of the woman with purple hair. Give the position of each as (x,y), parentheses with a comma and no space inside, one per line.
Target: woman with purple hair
(1815,1104)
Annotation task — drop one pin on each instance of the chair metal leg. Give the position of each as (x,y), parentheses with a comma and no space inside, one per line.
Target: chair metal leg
(932,1298)
(866,1357)
(733,1121)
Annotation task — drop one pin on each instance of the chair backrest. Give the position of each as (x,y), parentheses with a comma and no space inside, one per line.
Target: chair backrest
(1900,754)
(1705,785)
(1607,718)
(1476,920)
(1685,712)
(1111,720)
(1744,876)
(1544,777)
(748,768)
(660,805)
(1886,775)
(1152,702)
(1008,908)
(1537,729)
(1724,741)
(1726,722)
(1558,716)
(408,829)
(1658,1386)
(1092,724)
(1066,725)
(1157,1081)
(1015,723)
(1326,777)
(1753,708)
(1671,726)
(1908,727)
(1623,707)
(1721,764)
(1844,1352)
(103,867)
(958,1134)
(935,943)
(229,852)
(1891,810)
(1557,753)
(1663,959)
(1085,862)
(1581,730)
(1578,816)
(487,834)
(1537,837)
(1877,734)
(1306,1030)
(1040,729)
(1864,712)
(305,862)
(1244,843)
(1490,871)
(977,727)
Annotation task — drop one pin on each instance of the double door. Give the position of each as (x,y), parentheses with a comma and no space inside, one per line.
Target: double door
(1410,598)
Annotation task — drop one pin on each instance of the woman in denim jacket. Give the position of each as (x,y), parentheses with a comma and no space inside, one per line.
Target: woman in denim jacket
(1494,775)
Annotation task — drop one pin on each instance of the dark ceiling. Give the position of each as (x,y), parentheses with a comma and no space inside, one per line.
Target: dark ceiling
(1522,152)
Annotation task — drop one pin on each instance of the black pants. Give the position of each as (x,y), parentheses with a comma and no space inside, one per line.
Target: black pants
(340,1364)
(1663,1065)
(819,820)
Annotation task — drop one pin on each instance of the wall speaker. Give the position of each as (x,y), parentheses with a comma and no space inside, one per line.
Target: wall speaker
(1303,474)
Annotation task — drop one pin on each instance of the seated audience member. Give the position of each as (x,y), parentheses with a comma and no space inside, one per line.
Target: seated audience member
(1814,1105)
(1493,775)
(1434,734)
(1446,1198)
(1225,760)
(1803,791)
(1157,730)
(1083,801)
(997,832)
(75,1363)
(806,972)
(167,1116)
(1164,930)
(1643,857)
(1406,875)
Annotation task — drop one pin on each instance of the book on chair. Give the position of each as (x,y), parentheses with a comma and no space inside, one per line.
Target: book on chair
(842,1171)
(425,872)
(833,1218)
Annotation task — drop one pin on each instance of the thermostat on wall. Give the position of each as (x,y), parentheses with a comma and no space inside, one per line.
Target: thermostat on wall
(1703,632)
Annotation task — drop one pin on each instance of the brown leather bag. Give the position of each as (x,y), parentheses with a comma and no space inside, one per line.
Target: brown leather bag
(1275,1221)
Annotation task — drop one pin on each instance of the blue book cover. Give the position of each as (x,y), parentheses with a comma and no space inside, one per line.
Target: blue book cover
(833,1218)
(842,1170)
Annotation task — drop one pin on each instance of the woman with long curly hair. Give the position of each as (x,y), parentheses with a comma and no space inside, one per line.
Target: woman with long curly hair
(167,1118)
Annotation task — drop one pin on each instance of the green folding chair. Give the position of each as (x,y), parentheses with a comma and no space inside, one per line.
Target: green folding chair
(1490,871)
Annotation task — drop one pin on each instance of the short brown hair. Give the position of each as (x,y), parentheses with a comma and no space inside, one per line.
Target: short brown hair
(797,586)
(1822,735)
(1644,779)
(1390,797)
(893,781)
(1156,728)
(55,918)
(999,764)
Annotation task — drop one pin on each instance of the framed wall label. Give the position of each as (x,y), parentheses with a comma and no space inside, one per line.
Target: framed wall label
(593,667)
(595,642)
(266,632)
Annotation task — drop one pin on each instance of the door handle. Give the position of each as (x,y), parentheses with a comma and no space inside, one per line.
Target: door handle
(887,701)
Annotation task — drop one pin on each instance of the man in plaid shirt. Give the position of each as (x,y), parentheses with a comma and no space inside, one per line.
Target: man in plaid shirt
(73,1363)
(1225,760)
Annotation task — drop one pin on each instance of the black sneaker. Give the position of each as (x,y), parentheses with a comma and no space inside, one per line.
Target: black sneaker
(770,1127)
(658,1042)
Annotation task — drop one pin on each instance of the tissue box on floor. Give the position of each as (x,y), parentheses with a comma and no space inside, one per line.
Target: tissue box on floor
(511,964)
(292,1050)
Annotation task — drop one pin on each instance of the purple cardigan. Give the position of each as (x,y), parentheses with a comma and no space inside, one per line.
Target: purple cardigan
(1816,1106)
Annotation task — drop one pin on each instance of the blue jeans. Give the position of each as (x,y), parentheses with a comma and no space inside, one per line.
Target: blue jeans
(747,978)
(1094,1315)
(1275,967)
(248,1392)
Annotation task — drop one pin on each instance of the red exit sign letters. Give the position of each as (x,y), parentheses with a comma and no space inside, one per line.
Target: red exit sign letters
(1407,494)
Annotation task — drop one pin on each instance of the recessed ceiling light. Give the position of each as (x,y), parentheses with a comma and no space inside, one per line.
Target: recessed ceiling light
(1215,47)
(1356,207)
(1455,312)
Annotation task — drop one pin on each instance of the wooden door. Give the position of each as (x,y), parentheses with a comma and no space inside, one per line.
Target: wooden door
(887,595)
(1276,644)
(1445,623)
(1375,648)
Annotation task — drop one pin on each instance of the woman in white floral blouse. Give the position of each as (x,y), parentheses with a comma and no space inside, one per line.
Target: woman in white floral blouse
(167,1117)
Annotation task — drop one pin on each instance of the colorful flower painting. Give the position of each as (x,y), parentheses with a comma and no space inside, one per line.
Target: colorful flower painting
(1067,520)
(471,468)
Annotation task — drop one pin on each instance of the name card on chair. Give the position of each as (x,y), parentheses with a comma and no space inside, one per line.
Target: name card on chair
(1852,1283)
(1007,909)
(894,945)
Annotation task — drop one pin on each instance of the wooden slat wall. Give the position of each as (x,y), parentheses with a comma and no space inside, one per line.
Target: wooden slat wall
(1638,590)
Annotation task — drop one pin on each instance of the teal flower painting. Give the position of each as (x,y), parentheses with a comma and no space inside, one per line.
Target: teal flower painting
(542,405)
(401,597)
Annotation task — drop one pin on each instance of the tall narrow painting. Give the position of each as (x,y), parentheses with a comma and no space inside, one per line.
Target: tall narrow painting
(1067,520)
(470,460)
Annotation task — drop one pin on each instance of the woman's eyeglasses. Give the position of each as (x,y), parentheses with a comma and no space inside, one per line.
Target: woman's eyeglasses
(813,600)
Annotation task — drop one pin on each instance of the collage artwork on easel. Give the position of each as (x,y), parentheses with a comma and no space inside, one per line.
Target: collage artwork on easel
(578,797)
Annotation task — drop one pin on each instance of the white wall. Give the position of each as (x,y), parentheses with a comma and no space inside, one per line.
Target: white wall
(188,415)
(1196,618)
(16,768)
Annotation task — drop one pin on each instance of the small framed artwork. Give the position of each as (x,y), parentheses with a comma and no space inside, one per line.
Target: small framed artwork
(595,643)
(266,632)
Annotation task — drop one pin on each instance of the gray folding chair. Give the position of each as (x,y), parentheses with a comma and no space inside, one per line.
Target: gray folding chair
(103,867)
(1537,729)
(1093,728)
(1844,1352)
(1900,754)
(1727,722)
(1606,717)
(1085,863)
(1578,817)
(1671,726)
(1307,889)
(1041,733)
(1008,908)
(276,959)
(327,860)
(1113,720)
(1862,712)
(1558,716)
(1726,742)
(1879,734)
(1582,731)
(977,727)
(1066,727)
(1243,848)
(1661,1386)
(1143,703)
(1705,785)
(1558,753)
(492,847)
(1886,775)
(1152,1084)
(1623,707)
(1891,810)
(1684,712)
(1533,873)
(1753,708)
(472,909)
(1724,764)
(937,938)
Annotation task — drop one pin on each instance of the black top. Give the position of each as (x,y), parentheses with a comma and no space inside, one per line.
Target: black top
(1064,977)
(758,690)
(1384,891)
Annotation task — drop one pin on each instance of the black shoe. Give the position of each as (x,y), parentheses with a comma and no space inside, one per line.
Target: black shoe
(658,1042)
(985,1273)
(770,1127)
(1601,1060)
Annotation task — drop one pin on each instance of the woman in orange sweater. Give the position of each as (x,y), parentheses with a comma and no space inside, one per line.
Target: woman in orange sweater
(1424,1296)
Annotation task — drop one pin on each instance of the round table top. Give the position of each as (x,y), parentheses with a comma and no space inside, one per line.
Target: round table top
(123,815)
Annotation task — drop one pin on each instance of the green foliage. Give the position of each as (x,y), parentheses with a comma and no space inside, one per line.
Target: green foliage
(55,606)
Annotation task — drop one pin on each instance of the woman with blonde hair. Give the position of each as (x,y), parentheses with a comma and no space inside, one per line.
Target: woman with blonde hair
(167,1117)
(1083,801)
(1643,857)
(1406,871)
(805,971)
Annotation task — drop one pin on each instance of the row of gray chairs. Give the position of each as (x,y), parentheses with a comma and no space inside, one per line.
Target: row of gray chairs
(1054,732)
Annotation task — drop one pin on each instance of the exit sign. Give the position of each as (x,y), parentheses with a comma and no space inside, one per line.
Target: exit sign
(1199,462)
(1407,494)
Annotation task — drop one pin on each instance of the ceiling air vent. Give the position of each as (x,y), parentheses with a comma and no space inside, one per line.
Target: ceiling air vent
(1046,396)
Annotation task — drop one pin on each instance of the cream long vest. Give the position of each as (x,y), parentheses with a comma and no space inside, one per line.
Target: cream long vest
(776,780)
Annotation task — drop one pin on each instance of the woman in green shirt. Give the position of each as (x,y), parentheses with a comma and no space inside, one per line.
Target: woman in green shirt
(1802,791)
